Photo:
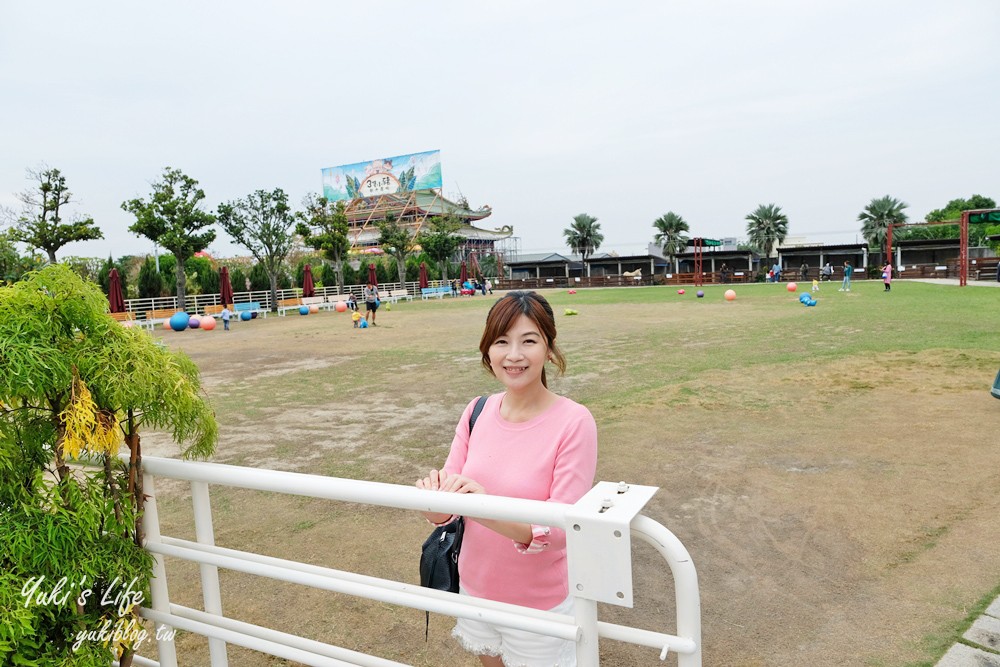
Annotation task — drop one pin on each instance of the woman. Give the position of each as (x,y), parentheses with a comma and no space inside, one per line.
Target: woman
(887,276)
(527,443)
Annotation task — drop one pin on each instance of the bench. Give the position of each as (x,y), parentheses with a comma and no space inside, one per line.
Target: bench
(127,316)
(284,305)
(215,311)
(397,294)
(154,317)
(986,270)
(318,301)
(439,292)
(248,307)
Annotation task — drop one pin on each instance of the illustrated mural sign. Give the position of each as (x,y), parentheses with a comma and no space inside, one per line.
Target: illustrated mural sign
(416,171)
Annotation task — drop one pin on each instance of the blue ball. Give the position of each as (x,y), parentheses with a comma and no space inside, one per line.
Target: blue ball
(701,294)
(245,316)
(303,310)
(179,321)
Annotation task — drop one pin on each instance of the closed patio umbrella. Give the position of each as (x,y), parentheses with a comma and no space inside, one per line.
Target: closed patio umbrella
(115,299)
(463,274)
(372,278)
(308,287)
(423,276)
(225,287)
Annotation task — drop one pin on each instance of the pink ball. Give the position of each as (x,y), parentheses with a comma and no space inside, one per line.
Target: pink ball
(341,306)
(313,308)
(791,287)
(207,322)
(730,295)
(680,291)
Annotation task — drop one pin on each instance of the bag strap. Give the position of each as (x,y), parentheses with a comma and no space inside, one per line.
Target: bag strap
(480,404)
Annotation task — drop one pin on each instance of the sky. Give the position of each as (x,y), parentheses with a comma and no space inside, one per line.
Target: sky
(542,110)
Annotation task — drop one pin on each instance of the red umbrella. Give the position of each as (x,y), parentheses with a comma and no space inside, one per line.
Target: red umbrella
(308,288)
(371,275)
(115,299)
(463,275)
(225,287)
(423,276)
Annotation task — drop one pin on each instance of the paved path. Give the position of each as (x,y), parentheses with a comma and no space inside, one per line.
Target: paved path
(985,630)
(952,281)
(984,633)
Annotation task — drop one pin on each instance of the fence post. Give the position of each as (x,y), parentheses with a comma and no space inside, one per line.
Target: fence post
(205,534)
(160,601)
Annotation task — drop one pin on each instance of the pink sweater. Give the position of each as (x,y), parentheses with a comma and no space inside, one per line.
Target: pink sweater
(551,457)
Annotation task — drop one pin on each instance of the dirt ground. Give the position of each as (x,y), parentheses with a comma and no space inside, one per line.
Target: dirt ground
(840,509)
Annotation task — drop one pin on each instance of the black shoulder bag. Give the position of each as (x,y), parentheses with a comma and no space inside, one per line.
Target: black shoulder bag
(439,555)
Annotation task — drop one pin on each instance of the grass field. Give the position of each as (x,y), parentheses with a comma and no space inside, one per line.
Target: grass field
(832,470)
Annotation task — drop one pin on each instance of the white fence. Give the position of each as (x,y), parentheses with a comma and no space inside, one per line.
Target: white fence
(598,530)
(195,303)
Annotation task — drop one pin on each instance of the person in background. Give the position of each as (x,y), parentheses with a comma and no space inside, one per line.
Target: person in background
(371,302)
(352,303)
(887,276)
(489,286)
(724,273)
(804,271)
(827,272)
(776,271)
(226,314)
(848,271)
(528,443)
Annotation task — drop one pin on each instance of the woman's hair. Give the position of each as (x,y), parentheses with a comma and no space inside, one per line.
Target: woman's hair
(505,312)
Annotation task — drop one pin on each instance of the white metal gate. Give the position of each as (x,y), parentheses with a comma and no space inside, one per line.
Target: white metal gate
(598,531)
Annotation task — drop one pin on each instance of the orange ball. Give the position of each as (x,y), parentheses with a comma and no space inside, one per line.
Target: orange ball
(207,322)
(730,295)
(791,287)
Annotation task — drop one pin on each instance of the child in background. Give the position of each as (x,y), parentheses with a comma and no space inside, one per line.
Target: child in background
(815,285)
(357,318)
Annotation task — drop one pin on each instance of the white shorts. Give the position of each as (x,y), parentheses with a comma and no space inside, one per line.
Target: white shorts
(517,648)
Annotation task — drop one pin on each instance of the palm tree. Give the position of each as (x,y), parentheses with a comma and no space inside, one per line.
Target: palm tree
(767,226)
(584,236)
(877,217)
(670,236)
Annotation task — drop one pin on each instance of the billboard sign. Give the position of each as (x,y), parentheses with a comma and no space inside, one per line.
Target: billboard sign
(416,171)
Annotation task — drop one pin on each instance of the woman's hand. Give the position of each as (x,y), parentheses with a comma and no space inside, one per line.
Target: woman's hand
(461,484)
(433,480)
(439,480)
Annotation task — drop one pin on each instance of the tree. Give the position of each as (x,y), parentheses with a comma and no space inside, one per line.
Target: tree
(398,242)
(323,226)
(76,387)
(150,281)
(41,225)
(876,218)
(104,275)
(953,209)
(13,264)
(440,242)
(584,236)
(173,218)
(670,236)
(262,223)
(767,227)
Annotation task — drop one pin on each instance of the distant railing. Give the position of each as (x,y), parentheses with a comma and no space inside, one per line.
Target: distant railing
(196,303)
